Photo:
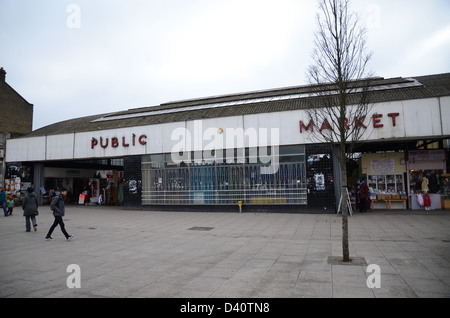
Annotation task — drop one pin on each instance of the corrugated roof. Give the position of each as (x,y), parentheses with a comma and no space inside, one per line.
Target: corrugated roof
(299,97)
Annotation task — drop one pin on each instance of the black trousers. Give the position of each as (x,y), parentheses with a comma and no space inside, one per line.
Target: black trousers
(363,205)
(58,220)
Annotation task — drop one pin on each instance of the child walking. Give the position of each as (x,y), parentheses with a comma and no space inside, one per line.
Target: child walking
(10,205)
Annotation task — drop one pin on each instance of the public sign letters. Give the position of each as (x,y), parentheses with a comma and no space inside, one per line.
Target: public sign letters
(116,142)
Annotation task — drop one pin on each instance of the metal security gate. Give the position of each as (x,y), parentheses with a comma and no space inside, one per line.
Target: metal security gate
(224,185)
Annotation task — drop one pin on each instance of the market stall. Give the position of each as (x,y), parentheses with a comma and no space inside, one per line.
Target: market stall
(385,178)
(425,168)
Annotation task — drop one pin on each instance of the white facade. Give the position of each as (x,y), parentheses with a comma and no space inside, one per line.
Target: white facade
(422,118)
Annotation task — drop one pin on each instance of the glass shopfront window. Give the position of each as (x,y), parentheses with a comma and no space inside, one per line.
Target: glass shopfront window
(253,176)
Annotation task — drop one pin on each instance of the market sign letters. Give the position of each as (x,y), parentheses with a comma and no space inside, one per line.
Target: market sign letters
(376,121)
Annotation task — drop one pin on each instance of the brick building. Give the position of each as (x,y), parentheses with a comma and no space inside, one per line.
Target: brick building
(16,117)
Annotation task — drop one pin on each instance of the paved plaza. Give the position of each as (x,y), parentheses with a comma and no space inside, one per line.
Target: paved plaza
(129,253)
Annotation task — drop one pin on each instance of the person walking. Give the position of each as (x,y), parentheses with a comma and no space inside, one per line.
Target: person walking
(58,208)
(30,209)
(363,196)
(3,200)
(10,205)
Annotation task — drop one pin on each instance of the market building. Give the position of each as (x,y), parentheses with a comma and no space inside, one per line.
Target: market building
(254,148)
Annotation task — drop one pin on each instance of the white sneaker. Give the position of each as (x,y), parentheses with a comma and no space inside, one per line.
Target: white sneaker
(70,237)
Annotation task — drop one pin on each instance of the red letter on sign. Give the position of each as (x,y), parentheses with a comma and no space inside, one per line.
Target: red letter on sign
(345,123)
(394,115)
(114,142)
(310,126)
(94,142)
(142,141)
(101,143)
(123,143)
(377,121)
(360,122)
(326,125)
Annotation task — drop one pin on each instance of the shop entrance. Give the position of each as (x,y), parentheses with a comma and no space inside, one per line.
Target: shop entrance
(425,170)
(93,182)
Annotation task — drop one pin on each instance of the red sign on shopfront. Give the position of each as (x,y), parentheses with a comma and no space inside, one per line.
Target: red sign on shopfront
(116,142)
(377,121)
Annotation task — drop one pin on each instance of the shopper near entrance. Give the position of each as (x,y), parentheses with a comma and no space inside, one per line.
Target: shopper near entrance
(88,193)
(30,209)
(363,195)
(426,201)
(58,208)
(425,183)
(10,205)
(3,200)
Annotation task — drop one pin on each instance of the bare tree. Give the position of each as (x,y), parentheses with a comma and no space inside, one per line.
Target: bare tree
(341,87)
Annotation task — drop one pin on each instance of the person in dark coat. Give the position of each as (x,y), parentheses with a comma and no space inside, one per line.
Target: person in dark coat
(58,208)
(3,200)
(30,209)
(363,195)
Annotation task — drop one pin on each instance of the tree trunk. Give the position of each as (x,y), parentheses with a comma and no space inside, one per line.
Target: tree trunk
(345,250)
(343,154)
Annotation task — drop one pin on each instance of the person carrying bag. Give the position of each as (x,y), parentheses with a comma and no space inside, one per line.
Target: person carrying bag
(58,208)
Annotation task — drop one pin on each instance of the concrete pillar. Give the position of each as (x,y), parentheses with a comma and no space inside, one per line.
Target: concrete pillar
(38,181)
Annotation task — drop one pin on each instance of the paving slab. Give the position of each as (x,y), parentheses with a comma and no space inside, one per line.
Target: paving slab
(124,253)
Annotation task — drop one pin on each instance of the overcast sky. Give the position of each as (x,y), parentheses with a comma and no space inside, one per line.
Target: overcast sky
(77,58)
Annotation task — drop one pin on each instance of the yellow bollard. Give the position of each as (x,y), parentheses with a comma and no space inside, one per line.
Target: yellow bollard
(240,206)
